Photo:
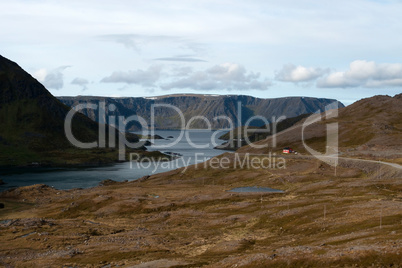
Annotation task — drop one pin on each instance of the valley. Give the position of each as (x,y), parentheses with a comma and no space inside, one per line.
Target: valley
(190,219)
(336,203)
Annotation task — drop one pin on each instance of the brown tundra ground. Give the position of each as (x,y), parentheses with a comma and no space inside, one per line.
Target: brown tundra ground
(351,218)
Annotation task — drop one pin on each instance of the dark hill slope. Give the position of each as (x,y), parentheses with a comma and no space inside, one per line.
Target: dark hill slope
(30,114)
(32,122)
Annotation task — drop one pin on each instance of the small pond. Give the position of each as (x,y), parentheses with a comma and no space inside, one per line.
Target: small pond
(255,189)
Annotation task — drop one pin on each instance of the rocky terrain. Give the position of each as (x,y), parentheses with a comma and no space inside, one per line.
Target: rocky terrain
(325,218)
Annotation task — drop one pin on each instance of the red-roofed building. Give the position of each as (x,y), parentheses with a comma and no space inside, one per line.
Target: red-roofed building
(287,150)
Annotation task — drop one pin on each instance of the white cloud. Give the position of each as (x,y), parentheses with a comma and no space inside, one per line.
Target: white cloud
(79,81)
(138,41)
(180,58)
(40,74)
(133,41)
(140,77)
(363,73)
(51,79)
(181,71)
(227,76)
(293,73)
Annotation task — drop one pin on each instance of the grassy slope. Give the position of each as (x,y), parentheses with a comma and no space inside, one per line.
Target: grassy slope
(367,127)
(321,220)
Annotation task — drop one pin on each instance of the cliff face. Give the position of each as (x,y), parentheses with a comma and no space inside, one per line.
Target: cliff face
(208,106)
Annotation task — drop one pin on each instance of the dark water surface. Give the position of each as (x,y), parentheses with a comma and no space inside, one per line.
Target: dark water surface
(68,178)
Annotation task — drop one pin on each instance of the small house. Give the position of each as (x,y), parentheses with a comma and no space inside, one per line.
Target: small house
(287,150)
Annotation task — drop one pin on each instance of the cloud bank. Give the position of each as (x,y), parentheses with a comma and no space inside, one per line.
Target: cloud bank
(181,58)
(138,41)
(80,82)
(227,76)
(363,73)
(293,73)
(53,79)
(235,77)
(146,78)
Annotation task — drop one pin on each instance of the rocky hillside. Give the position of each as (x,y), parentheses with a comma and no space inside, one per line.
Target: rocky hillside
(209,106)
(371,127)
(190,218)
(32,122)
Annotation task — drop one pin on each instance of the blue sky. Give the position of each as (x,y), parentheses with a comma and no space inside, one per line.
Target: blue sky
(345,50)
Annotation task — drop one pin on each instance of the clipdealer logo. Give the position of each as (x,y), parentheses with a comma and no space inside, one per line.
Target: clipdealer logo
(120,123)
(118,126)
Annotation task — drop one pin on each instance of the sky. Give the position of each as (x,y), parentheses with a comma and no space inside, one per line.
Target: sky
(345,50)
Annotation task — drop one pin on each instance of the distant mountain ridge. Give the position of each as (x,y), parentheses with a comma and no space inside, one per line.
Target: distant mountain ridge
(209,106)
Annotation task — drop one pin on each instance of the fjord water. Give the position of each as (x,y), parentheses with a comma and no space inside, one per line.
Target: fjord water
(68,178)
